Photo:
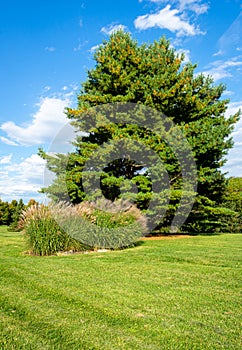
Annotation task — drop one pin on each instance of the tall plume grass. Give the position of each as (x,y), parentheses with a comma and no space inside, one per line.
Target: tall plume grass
(112,214)
(88,225)
(43,234)
(103,224)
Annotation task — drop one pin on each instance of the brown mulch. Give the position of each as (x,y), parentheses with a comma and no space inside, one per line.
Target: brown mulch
(153,238)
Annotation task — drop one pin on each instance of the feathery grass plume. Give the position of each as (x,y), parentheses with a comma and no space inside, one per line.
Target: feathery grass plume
(35,211)
(43,233)
(62,226)
(112,214)
(103,224)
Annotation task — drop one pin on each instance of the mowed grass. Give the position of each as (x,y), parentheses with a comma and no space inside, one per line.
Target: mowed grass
(175,293)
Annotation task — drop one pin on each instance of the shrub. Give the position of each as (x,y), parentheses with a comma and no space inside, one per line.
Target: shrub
(232,199)
(206,218)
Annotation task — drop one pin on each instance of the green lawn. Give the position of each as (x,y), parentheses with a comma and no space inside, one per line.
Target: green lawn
(169,294)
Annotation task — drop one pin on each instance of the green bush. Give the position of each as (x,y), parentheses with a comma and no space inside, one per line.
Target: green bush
(232,199)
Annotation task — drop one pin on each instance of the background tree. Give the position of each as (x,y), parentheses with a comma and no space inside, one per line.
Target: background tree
(232,199)
(17,209)
(153,75)
(5,213)
(10,212)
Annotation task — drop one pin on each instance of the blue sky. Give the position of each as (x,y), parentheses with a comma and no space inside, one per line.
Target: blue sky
(47,47)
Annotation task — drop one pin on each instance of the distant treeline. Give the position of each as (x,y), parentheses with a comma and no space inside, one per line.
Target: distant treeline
(11,211)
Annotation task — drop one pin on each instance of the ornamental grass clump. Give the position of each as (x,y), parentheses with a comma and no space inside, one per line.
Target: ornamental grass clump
(101,224)
(62,226)
(114,225)
(106,213)
(43,234)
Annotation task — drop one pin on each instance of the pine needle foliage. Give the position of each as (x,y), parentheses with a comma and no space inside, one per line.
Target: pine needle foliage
(156,76)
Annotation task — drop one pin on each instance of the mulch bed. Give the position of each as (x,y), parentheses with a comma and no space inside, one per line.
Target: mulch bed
(153,238)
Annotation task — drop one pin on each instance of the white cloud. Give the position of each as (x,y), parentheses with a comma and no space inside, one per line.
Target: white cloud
(233,108)
(47,88)
(186,53)
(193,5)
(196,6)
(44,125)
(228,93)
(7,141)
(94,48)
(167,19)
(50,48)
(6,159)
(80,46)
(108,30)
(218,53)
(22,179)
(222,69)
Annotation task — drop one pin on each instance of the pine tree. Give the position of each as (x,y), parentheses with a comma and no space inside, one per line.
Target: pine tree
(152,75)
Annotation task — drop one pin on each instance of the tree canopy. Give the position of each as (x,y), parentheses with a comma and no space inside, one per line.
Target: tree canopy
(10,212)
(156,76)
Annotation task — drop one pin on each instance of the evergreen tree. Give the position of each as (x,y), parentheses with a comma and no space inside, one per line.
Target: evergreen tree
(18,207)
(155,76)
(5,213)
(232,199)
